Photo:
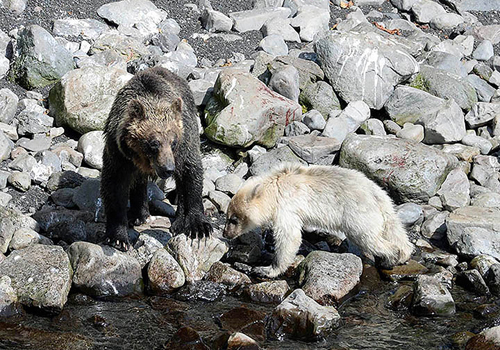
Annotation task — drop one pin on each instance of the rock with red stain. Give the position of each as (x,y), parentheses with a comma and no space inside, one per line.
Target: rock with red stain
(244,111)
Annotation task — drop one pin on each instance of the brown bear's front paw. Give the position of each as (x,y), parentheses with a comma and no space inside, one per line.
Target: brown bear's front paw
(137,219)
(194,225)
(118,239)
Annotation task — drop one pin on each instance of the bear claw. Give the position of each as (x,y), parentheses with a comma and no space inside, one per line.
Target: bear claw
(118,244)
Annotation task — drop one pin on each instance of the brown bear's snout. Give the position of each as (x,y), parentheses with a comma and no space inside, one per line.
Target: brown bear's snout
(166,170)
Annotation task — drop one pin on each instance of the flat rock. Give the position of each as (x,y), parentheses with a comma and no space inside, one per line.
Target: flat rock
(432,298)
(314,149)
(222,273)
(411,171)
(426,10)
(327,277)
(476,241)
(245,21)
(45,284)
(130,12)
(270,159)
(89,29)
(471,217)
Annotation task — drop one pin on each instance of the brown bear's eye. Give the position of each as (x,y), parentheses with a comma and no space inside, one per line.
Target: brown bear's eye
(233,220)
(153,147)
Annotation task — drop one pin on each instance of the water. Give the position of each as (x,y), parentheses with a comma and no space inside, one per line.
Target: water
(149,323)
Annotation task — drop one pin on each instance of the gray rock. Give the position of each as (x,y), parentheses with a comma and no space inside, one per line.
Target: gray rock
(3,179)
(446,21)
(16,6)
(434,227)
(348,121)
(83,98)
(454,191)
(446,85)
(296,129)
(404,5)
(20,180)
(482,263)
(473,281)
(373,127)
(34,122)
(45,284)
(245,21)
(9,305)
(222,273)
(431,298)
(130,12)
(274,44)
(474,218)
(493,279)
(24,162)
(484,90)
(488,200)
(446,62)
(12,220)
(412,171)
(309,71)
(443,120)
(102,271)
(476,241)
(310,20)
(6,146)
(342,57)
(87,196)
(301,317)
(227,113)
(269,160)
(314,120)
(477,141)
(426,10)
(327,277)
(228,184)
(411,131)
(255,152)
(220,199)
(41,60)
(72,27)
(128,47)
(352,20)
(474,5)
(215,21)
(321,97)
(148,242)
(91,145)
(107,58)
(202,91)
(484,51)
(8,105)
(280,26)
(268,292)
(164,273)
(5,198)
(315,149)
(482,113)
(409,213)
(261,4)
(40,142)
(285,81)
(25,237)
(196,259)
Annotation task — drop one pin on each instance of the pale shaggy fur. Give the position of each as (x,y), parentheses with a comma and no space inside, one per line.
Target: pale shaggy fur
(326,197)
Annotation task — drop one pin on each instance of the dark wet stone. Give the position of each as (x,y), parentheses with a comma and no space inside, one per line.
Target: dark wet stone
(222,273)
(487,311)
(404,272)
(493,279)
(401,299)
(370,279)
(201,291)
(66,179)
(472,280)
(245,320)
(66,320)
(267,292)
(186,338)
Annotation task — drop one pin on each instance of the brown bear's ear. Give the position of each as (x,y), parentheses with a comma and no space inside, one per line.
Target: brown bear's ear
(177,105)
(136,109)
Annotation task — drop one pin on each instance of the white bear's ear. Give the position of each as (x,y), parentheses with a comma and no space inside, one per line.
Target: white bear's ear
(177,105)
(254,192)
(136,109)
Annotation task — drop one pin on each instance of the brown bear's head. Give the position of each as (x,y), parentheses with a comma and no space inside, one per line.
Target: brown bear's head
(152,131)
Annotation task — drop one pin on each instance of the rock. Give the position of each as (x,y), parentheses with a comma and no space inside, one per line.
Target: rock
(280,26)
(5,198)
(411,131)
(164,273)
(102,271)
(314,120)
(493,279)
(215,21)
(309,71)
(446,21)
(352,20)
(196,259)
(245,21)
(454,191)
(87,196)
(484,51)
(45,284)
(274,44)
(301,317)
(25,237)
(373,126)
(40,142)
(9,305)
(186,337)
(487,339)
(482,113)
(91,144)
(5,146)
(488,200)
(426,10)
(16,6)
(410,271)
(348,121)
(20,180)
(477,141)
(222,273)
(8,105)
(202,91)
(445,85)
(476,240)
(12,220)
(310,20)
(409,213)
(471,217)
(431,298)
(434,227)
(267,292)
(482,263)
(226,114)
(206,291)
(228,184)
(327,277)
(83,98)
(242,319)
(269,160)
(220,199)
(321,97)
(88,29)
(130,12)
(41,60)
(285,81)
(447,62)
(66,179)
(315,149)
(412,171)
(296,129)
(342,56)
(473,281)
(484,90)
(238,341)
(443,120)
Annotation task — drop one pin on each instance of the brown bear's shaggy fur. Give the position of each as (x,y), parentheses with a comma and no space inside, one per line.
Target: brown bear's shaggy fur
(152,131)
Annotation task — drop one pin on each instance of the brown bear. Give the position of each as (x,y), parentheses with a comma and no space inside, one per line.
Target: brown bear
(152,131)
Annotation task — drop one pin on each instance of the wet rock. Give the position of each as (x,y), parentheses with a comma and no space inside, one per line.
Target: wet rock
(321,97)
(346,51)
(44,284)
(12,220)
(66,179)
(268,292)
(488,339)
(401,299)
(186,338)
(472,280)
(196,257)
(222,273)
(87,196)
(269,160)
(164,273)
(148,242)
(431,298)
(228,121)
(25,237)
(245,21)
(9,305)
(102,271)
(300,317)
(412,171)
(327,277)
(83,98)
(442,119)
(245,320)
(207,291)
(482,264)
(91,145)
(41,60)
(411,270)
(493,279)
(241,341)
(63,197)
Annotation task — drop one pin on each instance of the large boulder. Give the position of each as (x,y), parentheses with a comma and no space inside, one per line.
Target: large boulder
(364,66)
(40,275)
(83,98)
(129,12)
(244,111)
(410,170)
(41,60)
